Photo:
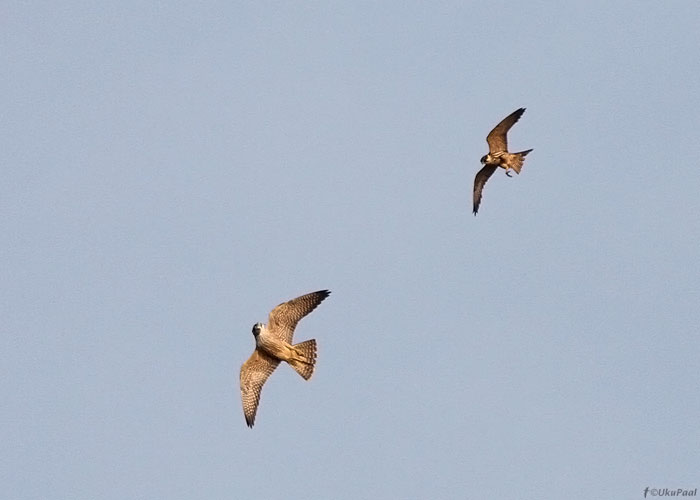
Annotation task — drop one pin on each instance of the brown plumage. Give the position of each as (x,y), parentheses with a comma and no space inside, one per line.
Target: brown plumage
(498,155)
(273,344)
(284,318)
(254,373)
(479,181)
(498,137)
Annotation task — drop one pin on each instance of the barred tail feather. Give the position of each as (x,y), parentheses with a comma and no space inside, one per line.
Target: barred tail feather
(516,160)
(306,358)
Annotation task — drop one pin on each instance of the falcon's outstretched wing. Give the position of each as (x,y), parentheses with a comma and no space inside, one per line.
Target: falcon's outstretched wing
(479,181)
(254,373)
(497,139)
(284,317)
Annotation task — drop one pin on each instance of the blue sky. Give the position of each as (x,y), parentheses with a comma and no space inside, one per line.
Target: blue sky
(171,171)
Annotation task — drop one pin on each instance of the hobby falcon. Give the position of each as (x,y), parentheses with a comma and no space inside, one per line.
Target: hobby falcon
(498,155)
(273,343)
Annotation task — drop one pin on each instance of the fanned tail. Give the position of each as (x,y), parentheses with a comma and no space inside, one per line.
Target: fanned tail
(305,361)
(516,160)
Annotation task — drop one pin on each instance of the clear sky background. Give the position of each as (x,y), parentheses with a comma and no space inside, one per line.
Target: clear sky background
(171,171)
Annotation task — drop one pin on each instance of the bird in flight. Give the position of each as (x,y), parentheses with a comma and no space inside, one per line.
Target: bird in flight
(273,343)
(498,155)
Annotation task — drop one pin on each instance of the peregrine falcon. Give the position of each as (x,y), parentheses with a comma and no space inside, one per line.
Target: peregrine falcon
(273,343)
(498,155)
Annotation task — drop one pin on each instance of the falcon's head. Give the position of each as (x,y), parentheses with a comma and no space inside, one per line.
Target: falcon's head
(257,327)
